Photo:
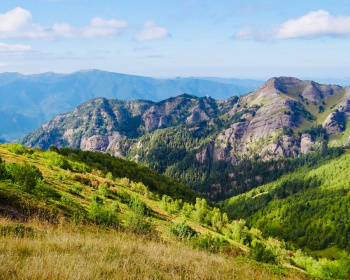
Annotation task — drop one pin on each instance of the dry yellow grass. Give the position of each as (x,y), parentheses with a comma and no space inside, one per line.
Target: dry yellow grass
(71,252)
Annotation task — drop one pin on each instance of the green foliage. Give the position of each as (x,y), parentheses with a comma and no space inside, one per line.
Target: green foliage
(18,230)
(247,175)
(104,190)
(138,206)
(57,160)
(210,243)
(43,190)
(137,223)
(18,149)
(67,199)
(201,210)
(24,176)
(240,232)
(183,230)
(323,268)
(76,189)
(268,252)
(121,168)
(100,215)
(187,210)
(124,196)
(307,208)
(170,205)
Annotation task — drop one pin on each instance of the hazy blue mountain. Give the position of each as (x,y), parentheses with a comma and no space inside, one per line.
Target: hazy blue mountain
(34,99)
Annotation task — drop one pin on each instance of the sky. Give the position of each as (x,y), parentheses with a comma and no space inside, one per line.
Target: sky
(177,38)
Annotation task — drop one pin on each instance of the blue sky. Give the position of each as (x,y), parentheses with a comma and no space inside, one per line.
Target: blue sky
(168,38)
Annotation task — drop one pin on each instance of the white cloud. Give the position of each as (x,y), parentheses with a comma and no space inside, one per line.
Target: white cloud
(18,23)
(3,64)
(6,49)
(151,31)
(315,24)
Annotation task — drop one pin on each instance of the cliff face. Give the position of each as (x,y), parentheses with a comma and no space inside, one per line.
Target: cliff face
(271,122)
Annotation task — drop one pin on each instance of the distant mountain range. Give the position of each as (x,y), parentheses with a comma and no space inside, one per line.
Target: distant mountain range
(27,101)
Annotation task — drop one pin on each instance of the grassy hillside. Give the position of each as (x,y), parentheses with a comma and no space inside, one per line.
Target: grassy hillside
(308,207)
(63,217)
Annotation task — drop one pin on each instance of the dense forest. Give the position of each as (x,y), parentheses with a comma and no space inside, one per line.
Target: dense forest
(173,151)
(308,207)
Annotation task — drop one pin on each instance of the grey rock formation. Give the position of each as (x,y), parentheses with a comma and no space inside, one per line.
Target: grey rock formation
(335,123)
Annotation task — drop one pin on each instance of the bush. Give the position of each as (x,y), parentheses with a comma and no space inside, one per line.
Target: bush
(137,223)
(18,230)
(323,268)
(104,190)
(18,149)
(266,253)
(124,196)
(183,230)
(210,243)
(100,215)
(57,160)
(138,206)
(44,190)
(67,199)
(76,189)
(24,176)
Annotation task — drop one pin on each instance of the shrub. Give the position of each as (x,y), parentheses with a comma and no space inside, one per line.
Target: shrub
(109,176)
(138,206)
(57,160)
(266,253)
(18,149)
(240,232)
(183,230)
(210,243)
(100,215)
(46,191)
(61,177)
(25,176)
(76,189)
(104,190)
(187,210)
(124,196)
(67,199)
(18,230)
(137,223)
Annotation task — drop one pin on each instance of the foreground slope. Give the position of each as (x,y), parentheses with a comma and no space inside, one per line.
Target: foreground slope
(78,222)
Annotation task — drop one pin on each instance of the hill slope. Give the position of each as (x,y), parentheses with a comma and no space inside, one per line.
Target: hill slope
(84,223)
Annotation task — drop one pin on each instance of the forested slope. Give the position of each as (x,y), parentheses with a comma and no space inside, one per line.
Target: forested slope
(308,207)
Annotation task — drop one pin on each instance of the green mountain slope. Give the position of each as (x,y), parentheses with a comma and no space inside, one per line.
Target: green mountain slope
(308,207)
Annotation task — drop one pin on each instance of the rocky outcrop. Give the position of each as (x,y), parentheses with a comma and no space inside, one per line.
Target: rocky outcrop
(306,143)
(197,115)
(335,123)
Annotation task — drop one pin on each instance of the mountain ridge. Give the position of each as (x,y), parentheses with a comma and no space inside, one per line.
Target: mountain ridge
(188,136)
(40,97)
